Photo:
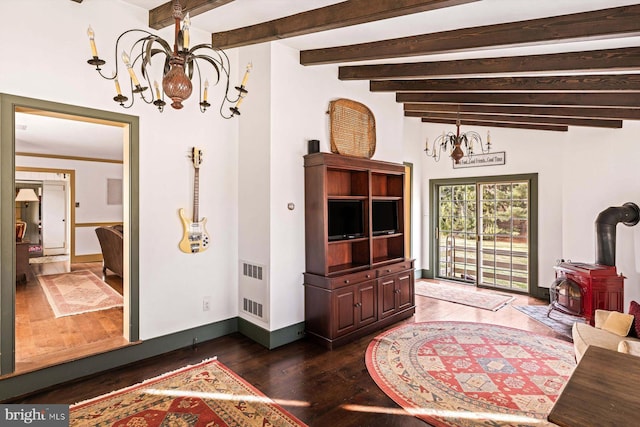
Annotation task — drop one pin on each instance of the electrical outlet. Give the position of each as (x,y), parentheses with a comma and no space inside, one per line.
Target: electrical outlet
(206,303)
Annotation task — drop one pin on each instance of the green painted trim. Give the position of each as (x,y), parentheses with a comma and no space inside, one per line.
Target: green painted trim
(410,192)
(7,236)
(287,335)
(534,289)
(8,104)
(20,385)
(424,274)
(271,339)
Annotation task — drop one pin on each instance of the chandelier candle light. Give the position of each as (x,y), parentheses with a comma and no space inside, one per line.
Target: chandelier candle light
(442,142)
(178,72)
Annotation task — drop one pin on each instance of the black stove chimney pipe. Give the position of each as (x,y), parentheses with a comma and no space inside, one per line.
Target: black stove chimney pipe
(606,222)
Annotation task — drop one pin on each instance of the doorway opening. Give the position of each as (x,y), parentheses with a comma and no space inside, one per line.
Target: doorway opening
(484,232)
(40,160)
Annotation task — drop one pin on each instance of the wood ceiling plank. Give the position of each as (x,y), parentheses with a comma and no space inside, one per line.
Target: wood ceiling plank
(530,126)
(338,15)
(576,83)
(622,59)
(600,99)
(162,16)
(586,112)
(623,20)
(598,123)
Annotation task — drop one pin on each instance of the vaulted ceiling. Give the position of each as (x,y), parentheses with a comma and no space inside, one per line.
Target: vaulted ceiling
(545,64)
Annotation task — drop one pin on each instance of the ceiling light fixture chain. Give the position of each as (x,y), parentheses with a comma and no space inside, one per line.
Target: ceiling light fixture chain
(455,142)
(180,65)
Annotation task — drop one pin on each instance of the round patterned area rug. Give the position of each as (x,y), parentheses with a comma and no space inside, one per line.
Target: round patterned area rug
(470,374)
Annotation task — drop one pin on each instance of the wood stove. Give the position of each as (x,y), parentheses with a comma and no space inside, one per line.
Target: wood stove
(581,288)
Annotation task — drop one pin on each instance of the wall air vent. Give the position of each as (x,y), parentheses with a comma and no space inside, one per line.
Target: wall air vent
(253,299)
(252,307)
(250,270)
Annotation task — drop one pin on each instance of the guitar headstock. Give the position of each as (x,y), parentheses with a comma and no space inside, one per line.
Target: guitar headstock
(196,157)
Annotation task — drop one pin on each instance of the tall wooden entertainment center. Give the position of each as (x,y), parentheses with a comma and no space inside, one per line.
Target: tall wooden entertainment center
(359,282)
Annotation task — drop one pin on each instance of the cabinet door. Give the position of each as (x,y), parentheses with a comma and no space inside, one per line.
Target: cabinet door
(367,304)
(387,295)
(405,289)
(344,314)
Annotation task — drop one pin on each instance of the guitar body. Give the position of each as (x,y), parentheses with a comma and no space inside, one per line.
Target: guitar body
(195,237)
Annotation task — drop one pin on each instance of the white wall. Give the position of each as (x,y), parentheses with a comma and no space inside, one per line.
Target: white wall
(51,65)
(91,194)
(286,107)
(254,178)
(526,152)
(580,173)
(600,170)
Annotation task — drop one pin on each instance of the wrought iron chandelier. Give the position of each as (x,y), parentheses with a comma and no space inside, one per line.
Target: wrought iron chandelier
(180,62)
(456,141)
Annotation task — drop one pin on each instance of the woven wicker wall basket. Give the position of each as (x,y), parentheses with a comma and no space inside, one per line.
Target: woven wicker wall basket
(353,128)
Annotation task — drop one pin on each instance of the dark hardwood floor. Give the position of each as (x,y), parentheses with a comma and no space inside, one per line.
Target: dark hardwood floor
(322,388)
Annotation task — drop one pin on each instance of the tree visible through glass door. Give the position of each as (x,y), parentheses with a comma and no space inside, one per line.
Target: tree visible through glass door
(504,236)
(457,252)
(483,234)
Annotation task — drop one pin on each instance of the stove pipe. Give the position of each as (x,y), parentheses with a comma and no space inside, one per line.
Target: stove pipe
(606,222)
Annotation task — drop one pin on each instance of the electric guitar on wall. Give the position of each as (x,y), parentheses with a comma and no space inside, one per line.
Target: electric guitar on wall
(195,238)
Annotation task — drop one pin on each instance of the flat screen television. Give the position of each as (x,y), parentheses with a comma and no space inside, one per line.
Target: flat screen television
(384,217)
(346,219)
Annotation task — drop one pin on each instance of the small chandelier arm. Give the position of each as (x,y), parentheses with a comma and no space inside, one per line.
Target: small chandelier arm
(456,142)
(179,65)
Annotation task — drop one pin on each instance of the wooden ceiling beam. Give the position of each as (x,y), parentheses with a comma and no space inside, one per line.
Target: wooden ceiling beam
(623,20)
(622,59)
(338,15)
(600,99)
(577,83)
(598,123)
(162,16)
(556,128)
(586,112)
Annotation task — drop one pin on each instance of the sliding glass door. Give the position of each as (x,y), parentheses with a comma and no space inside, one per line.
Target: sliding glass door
(483,233)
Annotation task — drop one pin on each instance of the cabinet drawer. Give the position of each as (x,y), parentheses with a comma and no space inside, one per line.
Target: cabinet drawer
(394,268)
(350,279)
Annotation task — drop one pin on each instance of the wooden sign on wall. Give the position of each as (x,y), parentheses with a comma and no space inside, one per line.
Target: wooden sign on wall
(477,160)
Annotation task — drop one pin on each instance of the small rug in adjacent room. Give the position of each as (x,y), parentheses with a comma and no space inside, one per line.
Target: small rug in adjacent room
(485,300)
(206,394)
(559,322)
(78,292)
(48,258)
(460,374)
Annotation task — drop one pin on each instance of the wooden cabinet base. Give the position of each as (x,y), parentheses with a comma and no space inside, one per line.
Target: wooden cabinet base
(343,308)
(366,330)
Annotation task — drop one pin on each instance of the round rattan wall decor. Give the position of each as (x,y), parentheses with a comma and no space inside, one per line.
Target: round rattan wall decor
(353,128)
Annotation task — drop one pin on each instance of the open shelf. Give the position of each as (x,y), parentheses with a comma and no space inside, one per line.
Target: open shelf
(344,182)
(347,254)
(387,247)
(339,187)
(387,185)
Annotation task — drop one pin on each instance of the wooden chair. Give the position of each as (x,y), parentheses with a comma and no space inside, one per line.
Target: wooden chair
(111,244)
(21,229)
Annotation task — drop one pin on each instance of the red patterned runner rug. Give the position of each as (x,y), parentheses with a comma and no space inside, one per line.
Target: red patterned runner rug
(207,394)
(469,374)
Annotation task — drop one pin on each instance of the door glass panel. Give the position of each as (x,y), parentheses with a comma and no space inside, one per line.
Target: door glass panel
(504,243)
(457,251)
(484,241)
